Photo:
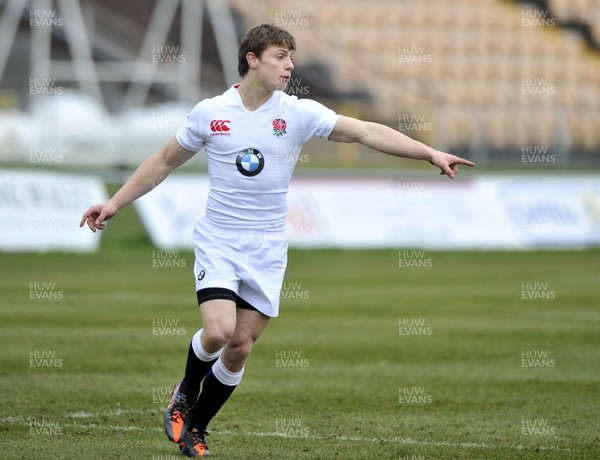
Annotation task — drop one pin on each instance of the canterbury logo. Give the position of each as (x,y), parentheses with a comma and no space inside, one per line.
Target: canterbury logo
(220,126)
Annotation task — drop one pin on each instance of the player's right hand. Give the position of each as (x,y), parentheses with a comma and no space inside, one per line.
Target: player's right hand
(97,215)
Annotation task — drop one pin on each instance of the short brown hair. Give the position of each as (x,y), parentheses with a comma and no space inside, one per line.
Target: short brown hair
(258,39)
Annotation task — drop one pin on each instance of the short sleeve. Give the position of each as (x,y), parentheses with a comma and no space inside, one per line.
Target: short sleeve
(317,119)
(191,136)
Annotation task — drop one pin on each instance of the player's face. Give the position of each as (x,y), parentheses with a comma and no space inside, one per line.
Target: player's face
(275,67)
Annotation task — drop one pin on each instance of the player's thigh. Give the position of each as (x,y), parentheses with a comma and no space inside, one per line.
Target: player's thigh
(219,321)
(249,326)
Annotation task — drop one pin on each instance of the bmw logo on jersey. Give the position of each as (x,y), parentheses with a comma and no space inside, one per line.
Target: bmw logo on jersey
(250,162)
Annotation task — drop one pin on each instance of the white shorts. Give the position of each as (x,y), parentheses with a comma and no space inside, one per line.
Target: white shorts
(249,263)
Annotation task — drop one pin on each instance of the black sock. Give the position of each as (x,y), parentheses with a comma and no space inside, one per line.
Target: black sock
(195,371)
(213,396)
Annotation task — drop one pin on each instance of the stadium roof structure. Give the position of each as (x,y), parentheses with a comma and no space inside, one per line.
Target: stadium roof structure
(96,31)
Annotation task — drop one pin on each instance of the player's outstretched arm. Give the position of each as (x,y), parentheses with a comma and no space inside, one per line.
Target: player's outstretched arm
(147,176)
(387,140)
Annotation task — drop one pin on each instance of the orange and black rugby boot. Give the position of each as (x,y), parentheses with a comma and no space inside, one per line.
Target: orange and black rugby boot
(178,415)
(194,444)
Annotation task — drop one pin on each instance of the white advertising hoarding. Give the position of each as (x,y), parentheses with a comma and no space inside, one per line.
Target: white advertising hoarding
(390,213)
(41,211)
(552,211)
(358,212)
(170,211)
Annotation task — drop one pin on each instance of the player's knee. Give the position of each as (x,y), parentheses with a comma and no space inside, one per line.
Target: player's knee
(215,336)
(240,350)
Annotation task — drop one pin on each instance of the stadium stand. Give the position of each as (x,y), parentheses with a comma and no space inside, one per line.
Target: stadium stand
(486,72)
(586,12)
(481,76)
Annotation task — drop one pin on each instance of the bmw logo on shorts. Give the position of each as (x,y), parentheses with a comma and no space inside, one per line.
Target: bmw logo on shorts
(250,162)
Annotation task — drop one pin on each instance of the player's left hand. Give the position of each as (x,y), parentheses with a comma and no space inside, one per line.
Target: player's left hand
(448,163)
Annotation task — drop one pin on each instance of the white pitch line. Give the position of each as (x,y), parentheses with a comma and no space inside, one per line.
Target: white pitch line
(81,414)
(395,440)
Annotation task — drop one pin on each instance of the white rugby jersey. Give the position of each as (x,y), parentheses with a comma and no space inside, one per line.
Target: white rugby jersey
(251,155)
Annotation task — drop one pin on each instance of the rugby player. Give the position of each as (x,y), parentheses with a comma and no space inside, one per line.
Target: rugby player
(252,135)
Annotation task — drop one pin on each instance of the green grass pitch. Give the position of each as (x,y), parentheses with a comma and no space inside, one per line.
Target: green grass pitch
(374,356)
